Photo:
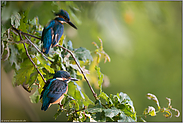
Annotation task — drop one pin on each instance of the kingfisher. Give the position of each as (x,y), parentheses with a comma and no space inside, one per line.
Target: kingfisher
(53,32)
(55,88)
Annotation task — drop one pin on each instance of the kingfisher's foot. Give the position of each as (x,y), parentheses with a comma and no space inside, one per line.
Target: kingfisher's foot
(61,106)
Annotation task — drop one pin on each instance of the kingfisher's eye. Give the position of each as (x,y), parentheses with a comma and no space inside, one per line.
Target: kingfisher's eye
(66,19)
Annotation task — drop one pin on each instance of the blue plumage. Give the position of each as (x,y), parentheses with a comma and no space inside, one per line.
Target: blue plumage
(54,89)
(52,92)
(53,32)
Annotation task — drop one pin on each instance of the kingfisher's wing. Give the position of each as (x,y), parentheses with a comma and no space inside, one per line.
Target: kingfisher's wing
(47,84)
(47,36)
(58,31)
(52,91)
(45,99)
(56,90)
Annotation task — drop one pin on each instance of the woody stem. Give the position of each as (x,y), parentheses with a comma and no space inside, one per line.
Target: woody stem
(23,33)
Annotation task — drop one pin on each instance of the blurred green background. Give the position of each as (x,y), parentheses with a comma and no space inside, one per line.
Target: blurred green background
(143,40)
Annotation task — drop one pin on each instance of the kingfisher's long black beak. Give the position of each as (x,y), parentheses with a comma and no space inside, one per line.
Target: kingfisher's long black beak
(73,79)
(56,14)
(71,24)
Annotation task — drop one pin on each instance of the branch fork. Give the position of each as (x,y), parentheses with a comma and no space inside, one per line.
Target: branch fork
(29,41)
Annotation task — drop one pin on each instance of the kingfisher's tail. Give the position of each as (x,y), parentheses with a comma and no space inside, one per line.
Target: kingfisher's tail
(45,50)
(45,107)
(45,104)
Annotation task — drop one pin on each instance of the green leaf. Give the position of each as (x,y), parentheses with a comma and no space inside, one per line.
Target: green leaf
(35,96)
(166,110)
(23,22)
(49,69)
(89,118)
(177,111)
(150,111)
(100,117)
(74,105)
(98,104)
(43,60)
(15,19)
(100,77)
(76,92)
(124,98)
(78,88)
(6,25)
(94,110)
(33,21)
(100,52)
(123,102)
(41,82)
(24,73)
(97,112)
(124,118)
(33,77)
(69,45)
(14,56)
(121,106)
(83,54)
(106,97)
(154,98)
(87,101)
(67,99)
(111,112)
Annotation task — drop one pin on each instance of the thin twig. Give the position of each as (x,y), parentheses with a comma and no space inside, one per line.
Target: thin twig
(18,42)
(15,32)
(30,60)
(33,63)
(24,34)
(83,109)
(23,85)
(8,52)
(37,49)
(94,94)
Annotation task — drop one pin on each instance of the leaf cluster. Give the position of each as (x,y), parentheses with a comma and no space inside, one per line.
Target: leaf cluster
(152,112)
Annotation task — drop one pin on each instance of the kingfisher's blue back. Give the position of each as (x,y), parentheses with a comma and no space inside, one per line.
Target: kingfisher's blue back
(53,90)
(52,34)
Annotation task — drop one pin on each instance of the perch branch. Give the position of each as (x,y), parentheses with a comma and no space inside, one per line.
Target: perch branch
(24,34)
(37,49)
(94,94)
(30,60)
(33,63)
(26,88)
(18,42)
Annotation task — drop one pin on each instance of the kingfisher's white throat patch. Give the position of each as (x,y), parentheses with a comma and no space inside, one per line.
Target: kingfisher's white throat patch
(62,22)
(60,79)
